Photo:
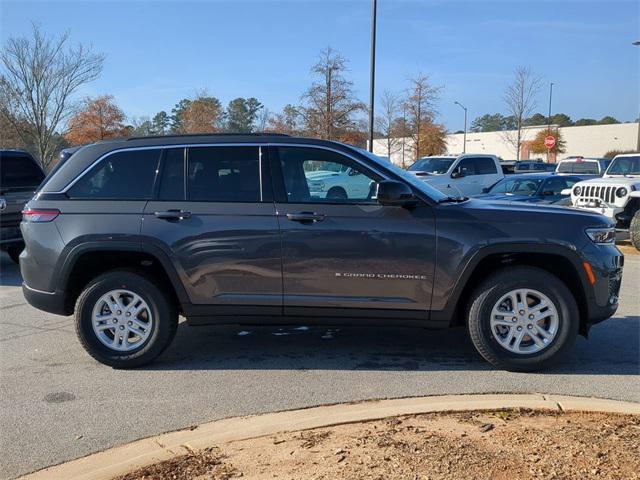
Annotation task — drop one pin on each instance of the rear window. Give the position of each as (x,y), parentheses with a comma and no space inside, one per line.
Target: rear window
(19,172)
(121,176)
(585,167)
(223,174)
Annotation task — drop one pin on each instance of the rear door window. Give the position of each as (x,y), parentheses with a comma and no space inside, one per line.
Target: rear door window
(127,175)
(467,166)
(223,174)
(18,172)
(485,166)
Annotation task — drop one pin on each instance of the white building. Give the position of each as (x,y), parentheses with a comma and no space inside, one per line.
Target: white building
(588,141)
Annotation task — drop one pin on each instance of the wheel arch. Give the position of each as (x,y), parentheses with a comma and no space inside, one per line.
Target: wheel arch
(559,261)
(86,260)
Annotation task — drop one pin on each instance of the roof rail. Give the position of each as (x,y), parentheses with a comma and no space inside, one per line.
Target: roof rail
(179,135)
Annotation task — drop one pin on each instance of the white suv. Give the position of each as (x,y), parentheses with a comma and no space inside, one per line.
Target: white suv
(616,195)
(467,174)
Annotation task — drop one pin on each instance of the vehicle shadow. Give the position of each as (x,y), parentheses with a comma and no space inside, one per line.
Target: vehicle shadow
(610,351)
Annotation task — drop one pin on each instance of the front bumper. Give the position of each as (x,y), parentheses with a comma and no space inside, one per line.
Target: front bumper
(607,263)
(52,302)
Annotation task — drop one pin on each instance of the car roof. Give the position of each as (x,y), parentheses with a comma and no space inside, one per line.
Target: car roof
(627,155)
(543,175)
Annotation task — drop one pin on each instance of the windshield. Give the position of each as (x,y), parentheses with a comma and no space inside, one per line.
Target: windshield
(412,180)
(625,166)
(589,167)
(433,165)
(517,186)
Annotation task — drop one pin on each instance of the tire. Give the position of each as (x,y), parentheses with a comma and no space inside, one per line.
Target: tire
(337,193)
(163,313)
(14,253)
(634,230)
(487,340)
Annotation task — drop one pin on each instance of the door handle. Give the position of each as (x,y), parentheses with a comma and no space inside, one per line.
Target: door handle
(306,217)
(173,215)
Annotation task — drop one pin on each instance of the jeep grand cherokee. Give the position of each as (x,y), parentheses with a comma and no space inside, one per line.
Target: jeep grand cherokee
(225,229)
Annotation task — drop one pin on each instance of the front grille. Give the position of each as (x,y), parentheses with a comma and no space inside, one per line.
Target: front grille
(606,194)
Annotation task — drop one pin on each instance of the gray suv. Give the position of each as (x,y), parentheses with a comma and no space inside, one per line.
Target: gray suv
(226,229)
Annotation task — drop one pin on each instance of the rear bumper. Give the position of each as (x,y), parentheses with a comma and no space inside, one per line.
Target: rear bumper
(52,302)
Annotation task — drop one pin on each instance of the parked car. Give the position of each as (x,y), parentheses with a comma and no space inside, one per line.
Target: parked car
(616,195)
(127,234)
(529,166)
(20,175)
(582,165)
(465,174)
(342,183)
(533,188)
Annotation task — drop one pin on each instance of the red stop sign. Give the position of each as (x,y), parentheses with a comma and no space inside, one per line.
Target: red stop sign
(549,141)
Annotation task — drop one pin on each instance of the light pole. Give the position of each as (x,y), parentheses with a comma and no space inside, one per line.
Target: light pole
(373,72)
(464,140)
(549,119)
(637,43)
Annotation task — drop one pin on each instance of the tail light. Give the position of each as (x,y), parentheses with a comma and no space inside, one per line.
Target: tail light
(39,215)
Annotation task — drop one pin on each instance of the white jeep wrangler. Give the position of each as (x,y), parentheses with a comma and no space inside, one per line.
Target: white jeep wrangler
(616,195)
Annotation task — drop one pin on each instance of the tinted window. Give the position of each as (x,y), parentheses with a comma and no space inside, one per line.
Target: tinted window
(19,172)
(554,186)
(172,180)
(579,167)
(517,186)
(120,176)
(467,166)
(223,174)
(485,166)
(320,176)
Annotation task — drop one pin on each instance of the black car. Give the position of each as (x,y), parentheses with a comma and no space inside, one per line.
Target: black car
(20,176)
(533,188)
(129,234)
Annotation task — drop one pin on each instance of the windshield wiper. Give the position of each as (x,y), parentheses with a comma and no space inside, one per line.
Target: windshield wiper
(450,199)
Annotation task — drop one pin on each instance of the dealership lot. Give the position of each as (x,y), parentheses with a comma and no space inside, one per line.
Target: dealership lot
(56,403)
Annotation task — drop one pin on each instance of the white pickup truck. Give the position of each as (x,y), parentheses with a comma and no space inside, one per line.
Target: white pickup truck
(463,175)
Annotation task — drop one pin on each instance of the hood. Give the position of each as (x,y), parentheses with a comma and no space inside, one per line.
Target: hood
(507,198)
(525,212)
(613,180)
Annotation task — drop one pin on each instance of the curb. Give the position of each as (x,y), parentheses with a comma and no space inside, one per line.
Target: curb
(125,458)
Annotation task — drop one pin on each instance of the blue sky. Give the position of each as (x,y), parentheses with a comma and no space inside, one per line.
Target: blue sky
(161,51)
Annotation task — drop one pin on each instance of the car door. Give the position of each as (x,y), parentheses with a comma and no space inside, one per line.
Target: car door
(487,172)
(463,179)
(214,216)
(350,255)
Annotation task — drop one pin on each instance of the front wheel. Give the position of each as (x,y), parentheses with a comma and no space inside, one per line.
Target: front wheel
(634,230)
(124,320)
(522,319)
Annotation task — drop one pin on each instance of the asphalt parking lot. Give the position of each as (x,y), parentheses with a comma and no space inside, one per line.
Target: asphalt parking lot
(56,403)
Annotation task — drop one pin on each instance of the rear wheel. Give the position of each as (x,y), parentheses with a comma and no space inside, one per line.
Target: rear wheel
(634,230)
(522,319)
(337,193)
(124,320)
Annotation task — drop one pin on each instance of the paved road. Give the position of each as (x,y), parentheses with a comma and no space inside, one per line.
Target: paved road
(56,403)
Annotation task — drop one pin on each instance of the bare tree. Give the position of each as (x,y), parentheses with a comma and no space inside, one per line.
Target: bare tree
(329,104)
(420,106)
(387,123)
(520,98)
(40,76)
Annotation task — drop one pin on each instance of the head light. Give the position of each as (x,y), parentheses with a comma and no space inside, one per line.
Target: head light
(621,192)
(603,235)
(577,191)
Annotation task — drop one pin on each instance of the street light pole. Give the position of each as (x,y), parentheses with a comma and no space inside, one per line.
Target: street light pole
(637,44)
(373,73)
(549,119)
(464,139)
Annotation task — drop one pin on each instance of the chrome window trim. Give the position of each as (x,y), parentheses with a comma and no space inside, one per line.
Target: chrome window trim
(189,145)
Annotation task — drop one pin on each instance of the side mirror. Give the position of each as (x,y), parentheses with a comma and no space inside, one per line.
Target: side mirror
(566,191)
(396,194)
(457,174)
